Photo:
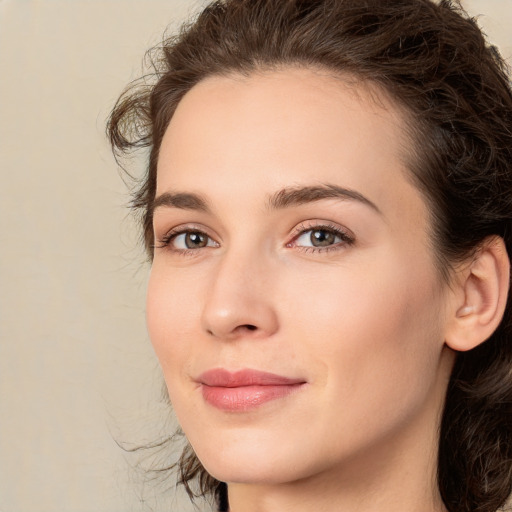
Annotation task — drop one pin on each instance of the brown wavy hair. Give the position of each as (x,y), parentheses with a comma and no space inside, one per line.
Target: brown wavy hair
(433,59)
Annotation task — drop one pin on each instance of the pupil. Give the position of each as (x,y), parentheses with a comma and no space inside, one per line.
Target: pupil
(322,238)
(194,240)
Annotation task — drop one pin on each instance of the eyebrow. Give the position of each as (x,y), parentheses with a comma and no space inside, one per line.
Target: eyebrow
(182,200)
(284,198)
(294,196)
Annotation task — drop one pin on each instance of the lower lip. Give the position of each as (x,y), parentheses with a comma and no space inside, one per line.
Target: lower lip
(244,398)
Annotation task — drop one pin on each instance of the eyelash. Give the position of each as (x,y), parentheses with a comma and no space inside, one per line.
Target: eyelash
(166,241)
(346,239)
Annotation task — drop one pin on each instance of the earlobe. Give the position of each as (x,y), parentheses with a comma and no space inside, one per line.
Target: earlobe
(482,290)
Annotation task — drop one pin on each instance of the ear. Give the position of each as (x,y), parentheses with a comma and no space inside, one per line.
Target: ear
(480,296)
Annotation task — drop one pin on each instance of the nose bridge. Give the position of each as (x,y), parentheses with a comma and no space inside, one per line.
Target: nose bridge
(239,298)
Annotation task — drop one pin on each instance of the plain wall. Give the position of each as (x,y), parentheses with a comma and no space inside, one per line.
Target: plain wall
(76,367)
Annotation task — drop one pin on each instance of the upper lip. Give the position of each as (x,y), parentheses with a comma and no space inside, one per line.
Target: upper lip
(219,377)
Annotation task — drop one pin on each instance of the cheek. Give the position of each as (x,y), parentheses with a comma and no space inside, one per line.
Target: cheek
(361,302)
(171,312)
(375,332)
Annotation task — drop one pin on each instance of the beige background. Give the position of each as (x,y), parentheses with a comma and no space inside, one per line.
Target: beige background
(76,368)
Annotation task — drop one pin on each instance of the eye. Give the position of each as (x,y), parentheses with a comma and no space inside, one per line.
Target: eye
(191,240)
(318,238)
(182,240)
(321,237)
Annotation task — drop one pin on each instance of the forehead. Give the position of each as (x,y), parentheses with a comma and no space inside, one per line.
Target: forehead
(288,127)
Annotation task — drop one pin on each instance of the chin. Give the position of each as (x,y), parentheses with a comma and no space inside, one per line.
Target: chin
(251,462)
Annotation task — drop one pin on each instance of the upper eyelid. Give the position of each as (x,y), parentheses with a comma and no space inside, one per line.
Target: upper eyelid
(319,224)
(298,229)
(186,227)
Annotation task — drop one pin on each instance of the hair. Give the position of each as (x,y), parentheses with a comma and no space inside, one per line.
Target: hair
(434,61)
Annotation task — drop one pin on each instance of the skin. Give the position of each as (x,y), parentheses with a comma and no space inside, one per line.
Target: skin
(361,321)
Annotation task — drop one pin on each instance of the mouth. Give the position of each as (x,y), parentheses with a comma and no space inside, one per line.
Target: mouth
(245,389)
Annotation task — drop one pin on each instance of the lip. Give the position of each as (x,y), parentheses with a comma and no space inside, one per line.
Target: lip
(244,389)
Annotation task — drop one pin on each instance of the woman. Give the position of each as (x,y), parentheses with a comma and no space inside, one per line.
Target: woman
(328,210)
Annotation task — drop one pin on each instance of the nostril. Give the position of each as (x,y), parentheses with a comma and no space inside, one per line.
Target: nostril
(240,329)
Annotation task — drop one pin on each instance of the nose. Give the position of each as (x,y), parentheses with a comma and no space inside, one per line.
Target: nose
(239,301)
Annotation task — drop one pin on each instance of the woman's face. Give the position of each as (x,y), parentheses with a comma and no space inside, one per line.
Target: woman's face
(293,301)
